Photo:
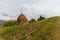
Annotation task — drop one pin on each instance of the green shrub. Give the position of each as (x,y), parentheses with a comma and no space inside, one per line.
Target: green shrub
(32,20)
(41,18)
(9,23)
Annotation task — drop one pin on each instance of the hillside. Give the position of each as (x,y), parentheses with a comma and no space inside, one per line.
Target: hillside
(2,20)
(48,29)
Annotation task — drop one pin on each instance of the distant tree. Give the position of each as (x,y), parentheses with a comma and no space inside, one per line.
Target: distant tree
(9,23)
(41,18)
(32,20)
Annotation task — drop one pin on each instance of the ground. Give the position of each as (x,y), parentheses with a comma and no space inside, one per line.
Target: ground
(47,29)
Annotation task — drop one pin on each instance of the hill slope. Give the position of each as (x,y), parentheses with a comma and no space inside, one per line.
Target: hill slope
(48,29)
(2,20)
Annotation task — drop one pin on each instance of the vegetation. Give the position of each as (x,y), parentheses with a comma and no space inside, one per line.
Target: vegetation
(32,20)
(47,29)
(41,18)
(9,23)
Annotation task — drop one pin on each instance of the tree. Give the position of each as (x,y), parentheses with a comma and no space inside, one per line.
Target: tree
(32,20)
(41,18)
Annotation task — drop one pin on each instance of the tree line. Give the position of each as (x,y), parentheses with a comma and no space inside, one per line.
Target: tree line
(40,18)
(13,22)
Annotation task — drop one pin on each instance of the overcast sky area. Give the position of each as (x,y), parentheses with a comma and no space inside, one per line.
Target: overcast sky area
(10,9)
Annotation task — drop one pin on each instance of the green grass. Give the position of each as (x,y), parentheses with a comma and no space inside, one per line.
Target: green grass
(42,30)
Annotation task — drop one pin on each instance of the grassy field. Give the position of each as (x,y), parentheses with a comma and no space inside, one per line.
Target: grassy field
(47,29)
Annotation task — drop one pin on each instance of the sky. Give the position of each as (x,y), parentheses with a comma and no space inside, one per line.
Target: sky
(10,9)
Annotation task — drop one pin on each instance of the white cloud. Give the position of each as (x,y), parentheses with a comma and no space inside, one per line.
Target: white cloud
(31,8)
(4,17)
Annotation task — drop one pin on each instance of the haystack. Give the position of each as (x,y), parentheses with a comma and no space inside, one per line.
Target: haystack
(22,19)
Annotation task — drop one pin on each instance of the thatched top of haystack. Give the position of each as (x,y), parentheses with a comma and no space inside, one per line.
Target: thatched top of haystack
(22,19)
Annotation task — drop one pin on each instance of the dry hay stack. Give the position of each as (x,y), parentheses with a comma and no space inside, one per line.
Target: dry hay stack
(22,19)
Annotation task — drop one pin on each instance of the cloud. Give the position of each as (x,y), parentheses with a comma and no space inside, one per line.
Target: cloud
(10,9)
(4,17)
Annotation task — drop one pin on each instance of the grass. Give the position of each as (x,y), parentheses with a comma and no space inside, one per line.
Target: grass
(41,30)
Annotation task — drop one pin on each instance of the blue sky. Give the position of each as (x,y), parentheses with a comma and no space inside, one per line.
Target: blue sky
(10,9)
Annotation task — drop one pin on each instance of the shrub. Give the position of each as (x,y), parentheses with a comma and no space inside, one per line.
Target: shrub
(41,18)
(9,23)
(32,20)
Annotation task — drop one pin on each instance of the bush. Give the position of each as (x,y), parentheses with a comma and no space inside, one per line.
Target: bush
(32,20)
(41,18)
(9,23)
